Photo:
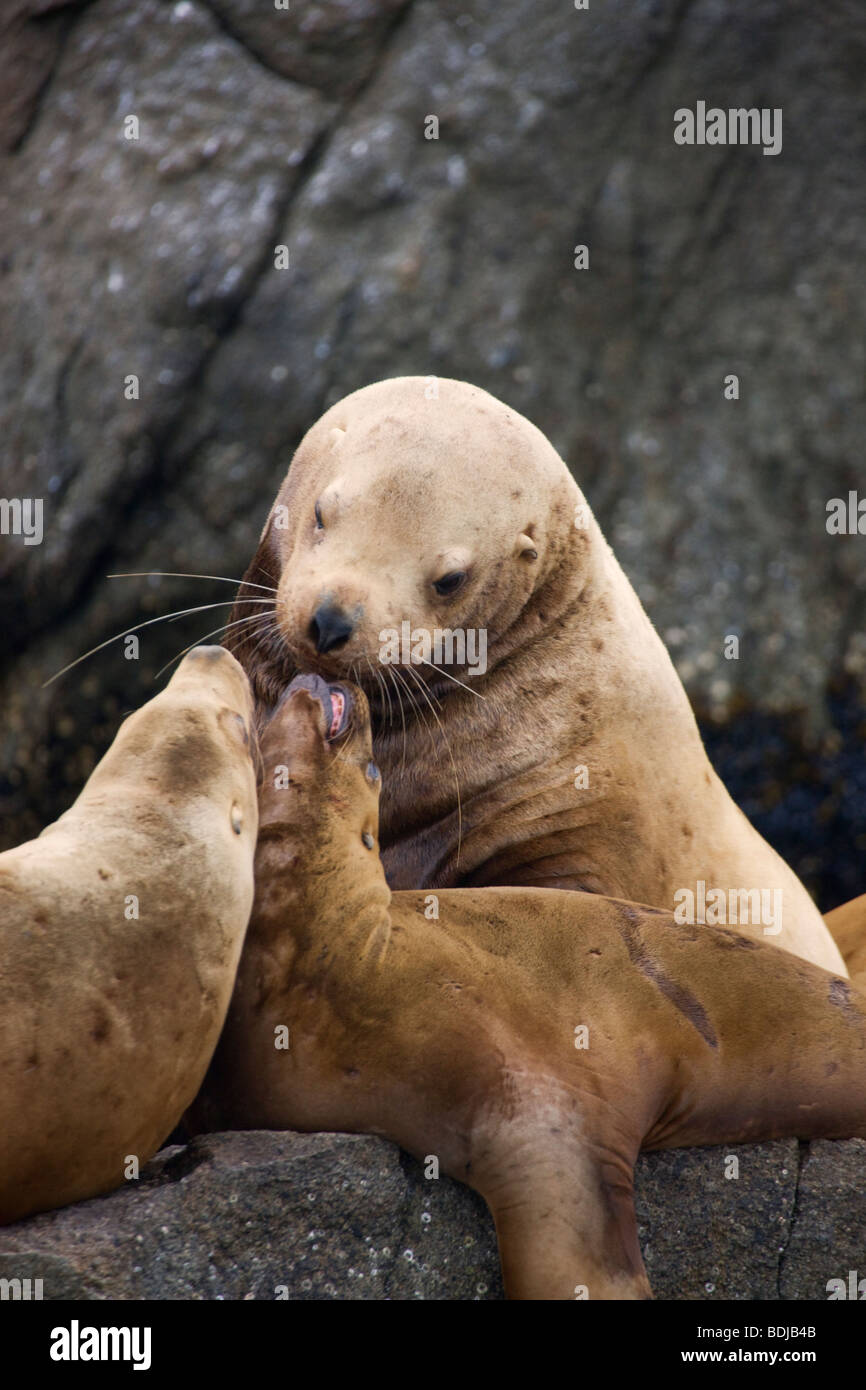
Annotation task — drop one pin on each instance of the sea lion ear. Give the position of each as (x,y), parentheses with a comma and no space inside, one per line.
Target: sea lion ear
(526,547)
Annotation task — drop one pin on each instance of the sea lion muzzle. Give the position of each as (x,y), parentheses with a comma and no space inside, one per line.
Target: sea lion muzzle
(335,700)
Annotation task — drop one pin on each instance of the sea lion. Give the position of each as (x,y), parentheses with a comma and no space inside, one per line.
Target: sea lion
(847,926)
(121,927)
(573,759)
(531,1040)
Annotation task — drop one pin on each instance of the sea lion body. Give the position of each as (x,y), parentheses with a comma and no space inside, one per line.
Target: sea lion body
(532,1040)
(121,927)
(573,759)
(847,925)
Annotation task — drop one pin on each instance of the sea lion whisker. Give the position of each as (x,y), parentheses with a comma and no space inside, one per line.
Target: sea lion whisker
(380,681)
(180,574)
(287,645)
(250,618)
(454,679)
(263,571)
(413,703)
(384,684)
(161,618)
(274,631)
(389,671)
(404,687)
(450,755)
(430,694)
(434,697)
(175,617)
(416,709)
(353,675)
(384,714)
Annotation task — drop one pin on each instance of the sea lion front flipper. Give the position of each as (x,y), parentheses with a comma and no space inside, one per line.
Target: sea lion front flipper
(563,1206)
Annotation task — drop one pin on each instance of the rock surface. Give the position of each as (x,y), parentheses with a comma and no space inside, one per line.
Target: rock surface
(154,257)
(264,1216)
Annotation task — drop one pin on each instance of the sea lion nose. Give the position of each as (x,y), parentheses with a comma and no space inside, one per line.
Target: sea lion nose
(330,628)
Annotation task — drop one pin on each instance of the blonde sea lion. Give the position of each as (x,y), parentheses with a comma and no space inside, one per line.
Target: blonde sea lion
(532,1040)
(847,926)
(572,760)
(121,927)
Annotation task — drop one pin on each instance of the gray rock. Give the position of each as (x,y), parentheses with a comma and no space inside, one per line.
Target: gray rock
(262,1216)
(31,36)
(329,44)
(828,1237)
(705,1235)
(306,128)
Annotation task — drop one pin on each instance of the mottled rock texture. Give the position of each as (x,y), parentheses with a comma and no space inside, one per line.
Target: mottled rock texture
(265,1216)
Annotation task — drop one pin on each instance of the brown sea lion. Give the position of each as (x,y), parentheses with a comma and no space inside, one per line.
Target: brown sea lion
(121,927)
(572,760)
(531,1040)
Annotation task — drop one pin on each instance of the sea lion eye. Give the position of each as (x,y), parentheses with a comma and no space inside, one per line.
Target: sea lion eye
(450,583)
(317,511)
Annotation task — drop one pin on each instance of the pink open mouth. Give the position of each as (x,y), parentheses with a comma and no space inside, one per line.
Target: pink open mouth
(335,700)
(338,711)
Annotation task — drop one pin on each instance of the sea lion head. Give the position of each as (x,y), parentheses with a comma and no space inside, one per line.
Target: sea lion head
(411,509)
(320,787)
(193,746)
